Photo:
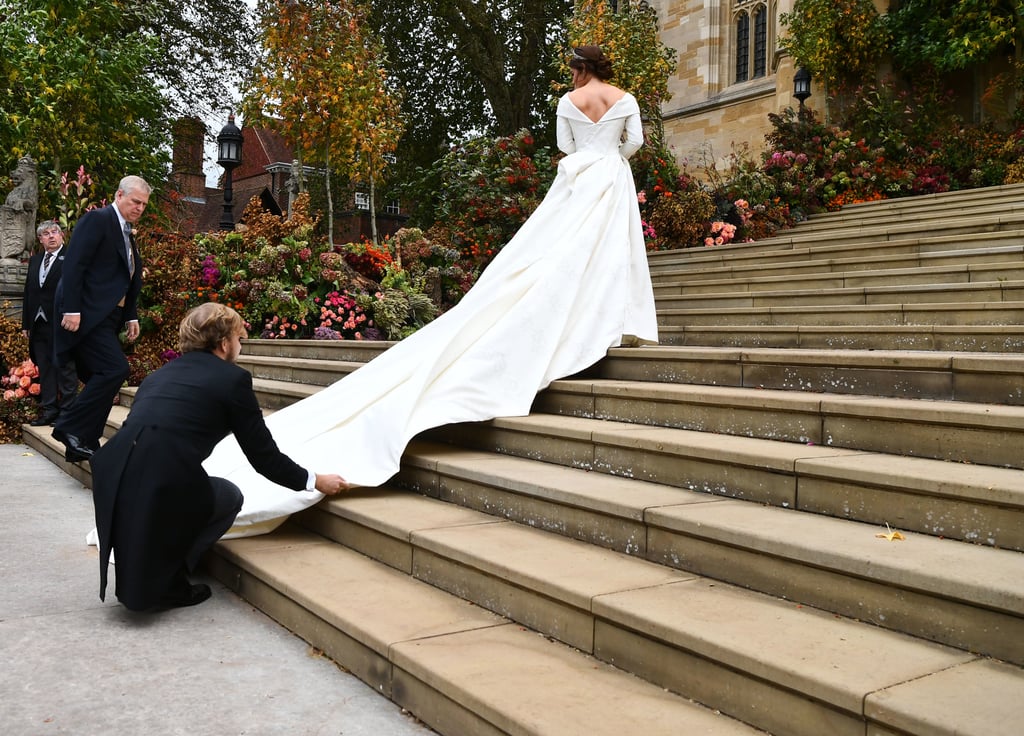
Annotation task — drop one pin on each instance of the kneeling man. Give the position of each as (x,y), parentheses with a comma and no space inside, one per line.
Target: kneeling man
(155,504)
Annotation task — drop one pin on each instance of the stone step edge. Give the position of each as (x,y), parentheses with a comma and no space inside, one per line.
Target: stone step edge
(965,503)
(844,257)
(851,295)
(928,332)
(843,546)
(825,309)
(453,702)
(846,238)
(442,562)
(951,361)
(701,280)
(752,469)
(947,414)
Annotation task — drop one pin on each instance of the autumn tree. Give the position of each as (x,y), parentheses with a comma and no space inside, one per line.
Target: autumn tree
(470,67)
(77,92)
(628,36)
(838,41)
(322,84)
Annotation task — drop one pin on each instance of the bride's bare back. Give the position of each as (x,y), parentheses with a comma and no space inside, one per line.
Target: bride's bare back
(595,98)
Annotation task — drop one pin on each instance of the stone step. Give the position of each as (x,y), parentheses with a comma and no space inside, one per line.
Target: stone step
(998,249)
(952,376)
(967,271)
(956,431)
(924,218)
(970,501)
(982,292)
(942,314)
(995,338)
(933,587)
(926,374)
(782,667)
(354,351)
(788,250)
(456,666)
(963,201)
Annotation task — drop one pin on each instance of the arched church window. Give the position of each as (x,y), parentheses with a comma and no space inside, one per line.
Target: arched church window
(751,39)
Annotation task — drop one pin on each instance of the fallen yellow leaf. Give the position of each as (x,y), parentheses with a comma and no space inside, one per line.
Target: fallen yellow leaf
(891,535)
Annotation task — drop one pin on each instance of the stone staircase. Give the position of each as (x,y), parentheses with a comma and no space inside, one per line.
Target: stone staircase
(697,537)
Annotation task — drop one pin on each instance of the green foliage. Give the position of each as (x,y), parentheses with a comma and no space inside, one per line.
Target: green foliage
(469,68)
(630,38)
(486,188)
(954,34)
(838,41)
(77,92)
(435,266)
(170,287)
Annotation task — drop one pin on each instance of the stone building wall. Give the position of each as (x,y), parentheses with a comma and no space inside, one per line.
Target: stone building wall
(710,112)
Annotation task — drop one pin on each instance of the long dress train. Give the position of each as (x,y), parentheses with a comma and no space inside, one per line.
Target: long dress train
(570,284)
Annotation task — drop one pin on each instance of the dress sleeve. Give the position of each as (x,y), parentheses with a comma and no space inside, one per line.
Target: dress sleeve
(563,128)
(563,131)
(634,136)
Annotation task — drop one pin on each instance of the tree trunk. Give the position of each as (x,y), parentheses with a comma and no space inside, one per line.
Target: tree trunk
(373,212)
(330,200)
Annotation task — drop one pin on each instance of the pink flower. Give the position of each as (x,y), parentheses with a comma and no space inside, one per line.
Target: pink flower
(709,241)
(641,197)
(34,389)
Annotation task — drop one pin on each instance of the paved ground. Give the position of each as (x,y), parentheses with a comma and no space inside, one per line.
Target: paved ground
(70,664)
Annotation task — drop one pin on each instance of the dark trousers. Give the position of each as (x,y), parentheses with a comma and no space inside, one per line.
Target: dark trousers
(227,502)
(58,384)
(103,368)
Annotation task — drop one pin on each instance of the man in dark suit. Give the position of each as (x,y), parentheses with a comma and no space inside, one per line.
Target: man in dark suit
(58,382)
(155,505)
(96,297)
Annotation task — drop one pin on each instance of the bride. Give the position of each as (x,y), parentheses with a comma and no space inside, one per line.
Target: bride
(572,283)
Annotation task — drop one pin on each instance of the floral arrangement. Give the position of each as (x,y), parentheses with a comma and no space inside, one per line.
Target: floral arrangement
(342,317)
(20,382)
(485,190)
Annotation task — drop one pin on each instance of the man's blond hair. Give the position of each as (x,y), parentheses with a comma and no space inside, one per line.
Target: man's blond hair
(207,326)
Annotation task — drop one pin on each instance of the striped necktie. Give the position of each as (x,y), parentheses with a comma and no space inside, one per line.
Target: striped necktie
(128,248)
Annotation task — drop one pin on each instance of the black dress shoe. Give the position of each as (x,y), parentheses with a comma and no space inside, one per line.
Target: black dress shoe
(75,450)
(193,595)
(47,417)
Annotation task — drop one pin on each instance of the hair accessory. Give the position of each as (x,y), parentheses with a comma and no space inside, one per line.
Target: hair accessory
(576,55)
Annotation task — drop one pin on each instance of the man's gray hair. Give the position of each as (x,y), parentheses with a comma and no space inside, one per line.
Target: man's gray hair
(133,183)
(47,225)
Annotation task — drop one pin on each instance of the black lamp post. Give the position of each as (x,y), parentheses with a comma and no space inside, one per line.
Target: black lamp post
(229,155)
(802,85)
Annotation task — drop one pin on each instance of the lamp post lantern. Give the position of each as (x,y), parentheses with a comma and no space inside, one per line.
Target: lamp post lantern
(229,155)
(802,85)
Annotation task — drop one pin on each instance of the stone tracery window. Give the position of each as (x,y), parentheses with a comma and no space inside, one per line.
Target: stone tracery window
(751,37)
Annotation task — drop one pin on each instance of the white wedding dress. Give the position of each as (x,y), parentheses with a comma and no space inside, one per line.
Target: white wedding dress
(570,284)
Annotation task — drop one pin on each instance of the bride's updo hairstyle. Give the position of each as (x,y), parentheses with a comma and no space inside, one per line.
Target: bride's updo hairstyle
(593,60)
(205,327)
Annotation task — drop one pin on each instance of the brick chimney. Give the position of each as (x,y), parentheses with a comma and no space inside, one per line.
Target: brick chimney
(187,158)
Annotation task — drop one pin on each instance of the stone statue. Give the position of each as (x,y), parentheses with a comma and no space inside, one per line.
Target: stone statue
(18,214)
